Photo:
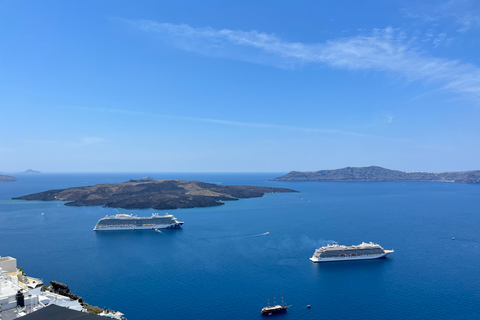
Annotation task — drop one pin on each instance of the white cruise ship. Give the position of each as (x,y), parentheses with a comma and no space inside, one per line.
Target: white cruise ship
(336,252)
(123,221)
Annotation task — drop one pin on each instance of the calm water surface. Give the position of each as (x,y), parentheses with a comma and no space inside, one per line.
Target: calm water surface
(222,265)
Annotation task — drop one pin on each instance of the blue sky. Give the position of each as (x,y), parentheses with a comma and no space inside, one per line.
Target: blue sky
(234,86)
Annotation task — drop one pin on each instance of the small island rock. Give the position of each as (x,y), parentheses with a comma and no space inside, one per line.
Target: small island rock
(29,171)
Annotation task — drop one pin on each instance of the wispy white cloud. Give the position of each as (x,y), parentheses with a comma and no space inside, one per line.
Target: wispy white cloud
(92,140)
(225,122)
(442,40)
(382,50)
(464,15)
(251,46)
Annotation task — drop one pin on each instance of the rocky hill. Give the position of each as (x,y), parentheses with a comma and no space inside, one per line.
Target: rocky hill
(5,178)
(160,194)
(375,173)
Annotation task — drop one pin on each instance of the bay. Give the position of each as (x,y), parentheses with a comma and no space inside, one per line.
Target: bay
(222,264)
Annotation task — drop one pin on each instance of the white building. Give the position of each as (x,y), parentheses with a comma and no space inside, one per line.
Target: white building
(8,264)
(15,287)
(21,295)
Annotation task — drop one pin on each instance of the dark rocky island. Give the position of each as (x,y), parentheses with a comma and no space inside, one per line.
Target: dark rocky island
(375,173)
(159,194)
(5,178)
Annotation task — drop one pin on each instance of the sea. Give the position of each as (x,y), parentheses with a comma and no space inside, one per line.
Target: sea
(228,262)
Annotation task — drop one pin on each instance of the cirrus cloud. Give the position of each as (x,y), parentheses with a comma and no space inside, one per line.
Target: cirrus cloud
(386,50)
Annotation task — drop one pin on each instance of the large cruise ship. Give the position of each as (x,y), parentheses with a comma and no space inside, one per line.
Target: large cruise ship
(336,252)
(123,221)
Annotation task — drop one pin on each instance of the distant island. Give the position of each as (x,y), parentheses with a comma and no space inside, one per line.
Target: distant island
(375,173)
(30,171)
(159,194)
(5,178)
(144,179)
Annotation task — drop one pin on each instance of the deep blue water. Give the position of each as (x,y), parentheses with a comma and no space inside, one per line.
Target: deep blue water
(221,266)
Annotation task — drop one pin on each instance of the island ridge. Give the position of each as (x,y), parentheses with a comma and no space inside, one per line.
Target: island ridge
(375,173)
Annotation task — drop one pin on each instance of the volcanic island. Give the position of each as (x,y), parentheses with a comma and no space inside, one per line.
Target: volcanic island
(157,194)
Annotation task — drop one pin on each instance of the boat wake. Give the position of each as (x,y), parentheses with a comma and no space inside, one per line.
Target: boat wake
(238,236)
(259,235)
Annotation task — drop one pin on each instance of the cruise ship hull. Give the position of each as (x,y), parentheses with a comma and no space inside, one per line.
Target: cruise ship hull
(123,222)
(360,257)
(177,225)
